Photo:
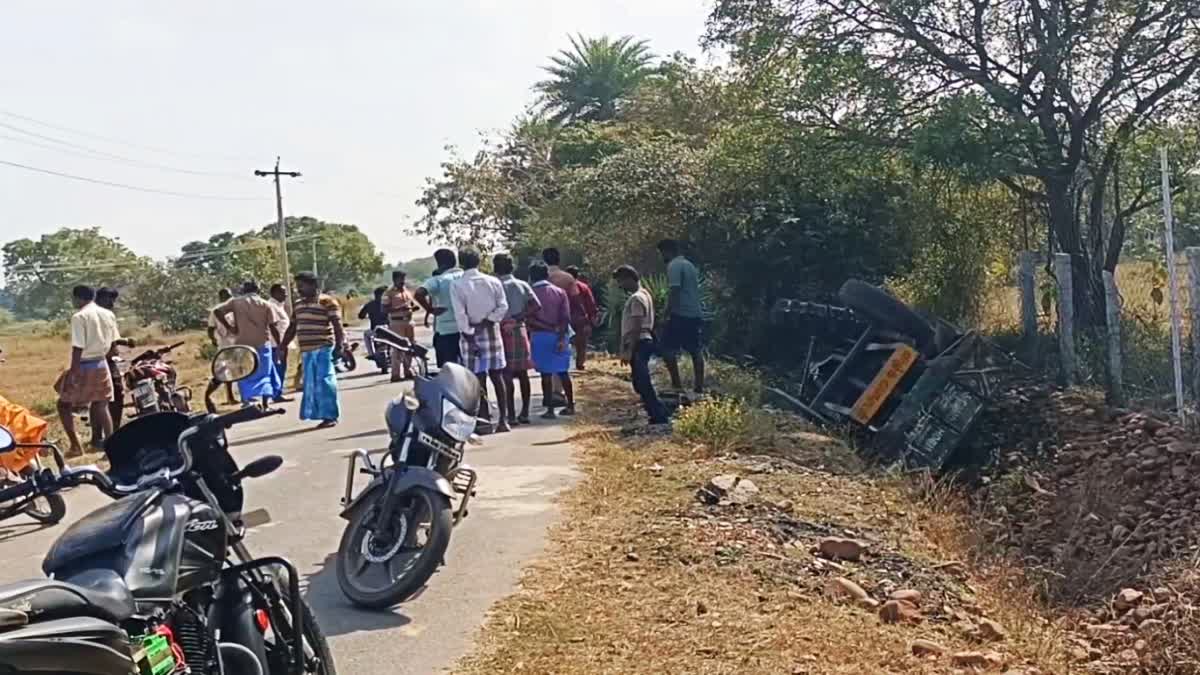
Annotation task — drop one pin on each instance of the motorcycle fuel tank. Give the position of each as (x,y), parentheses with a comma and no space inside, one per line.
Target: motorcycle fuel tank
(160,544)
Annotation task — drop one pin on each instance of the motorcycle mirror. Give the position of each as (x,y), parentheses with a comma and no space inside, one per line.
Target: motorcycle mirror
(7,442)
(234,363)
(260,467)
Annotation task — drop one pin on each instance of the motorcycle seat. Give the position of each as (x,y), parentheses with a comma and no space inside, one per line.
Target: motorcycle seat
(97,593)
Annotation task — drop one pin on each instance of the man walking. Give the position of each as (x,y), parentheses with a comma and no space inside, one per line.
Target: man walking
(637,340)
(583,316)
(87,380)
(221,337)
(255,325)
(399,305)
(107,298)
(684,316)
(548,330)
(513,332)
(317,326)
(479,307)
(434,296)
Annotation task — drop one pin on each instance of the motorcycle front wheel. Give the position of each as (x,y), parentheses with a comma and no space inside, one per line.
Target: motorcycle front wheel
(380,564)
(47,509)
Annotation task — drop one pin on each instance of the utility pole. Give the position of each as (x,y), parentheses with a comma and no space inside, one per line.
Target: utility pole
(287,276)
(314,247)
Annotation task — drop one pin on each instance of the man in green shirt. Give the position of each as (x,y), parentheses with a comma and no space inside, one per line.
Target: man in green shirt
(685,316)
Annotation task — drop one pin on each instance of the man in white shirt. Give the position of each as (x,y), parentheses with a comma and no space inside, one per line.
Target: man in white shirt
(87,380)
(480,305)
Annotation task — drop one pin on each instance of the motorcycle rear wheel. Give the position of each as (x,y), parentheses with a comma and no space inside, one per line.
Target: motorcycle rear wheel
(352,563)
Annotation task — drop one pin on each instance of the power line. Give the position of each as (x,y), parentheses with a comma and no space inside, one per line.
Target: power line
(125,186)
(76,149)
(139,146)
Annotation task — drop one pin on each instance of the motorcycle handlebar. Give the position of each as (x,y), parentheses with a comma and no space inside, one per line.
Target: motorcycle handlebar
(22,489)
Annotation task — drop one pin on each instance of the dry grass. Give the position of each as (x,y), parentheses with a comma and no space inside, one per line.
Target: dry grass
(642,578)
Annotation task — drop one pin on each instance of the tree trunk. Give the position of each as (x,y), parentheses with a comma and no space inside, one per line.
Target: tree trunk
(1065,223)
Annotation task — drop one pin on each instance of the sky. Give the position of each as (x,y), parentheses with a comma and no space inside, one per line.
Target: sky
(360,96)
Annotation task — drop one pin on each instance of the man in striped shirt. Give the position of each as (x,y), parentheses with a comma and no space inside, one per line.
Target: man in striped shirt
(317,327)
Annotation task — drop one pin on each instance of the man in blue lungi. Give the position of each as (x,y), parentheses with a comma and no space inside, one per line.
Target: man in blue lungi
(254,325)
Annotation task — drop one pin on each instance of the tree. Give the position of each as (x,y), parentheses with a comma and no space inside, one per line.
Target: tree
(588,82)
(1067,85)
(345,256)
(230,259)
(177,298)
(40,273)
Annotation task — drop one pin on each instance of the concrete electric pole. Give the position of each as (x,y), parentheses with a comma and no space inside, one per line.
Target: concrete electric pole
(283,253)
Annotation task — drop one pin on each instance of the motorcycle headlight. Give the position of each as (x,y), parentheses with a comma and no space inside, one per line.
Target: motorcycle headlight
(456,423)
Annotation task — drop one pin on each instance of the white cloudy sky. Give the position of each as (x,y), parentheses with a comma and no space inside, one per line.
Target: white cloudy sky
(361,96)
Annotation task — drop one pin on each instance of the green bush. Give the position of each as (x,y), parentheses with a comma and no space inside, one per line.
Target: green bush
(720,424)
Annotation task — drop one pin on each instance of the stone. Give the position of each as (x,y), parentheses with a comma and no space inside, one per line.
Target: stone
(952,567)
(728,488)
(984,660)
(926,648)
(1127,599)
(899,611)
(840,548)
(841,587)
(992,631)
(907,595)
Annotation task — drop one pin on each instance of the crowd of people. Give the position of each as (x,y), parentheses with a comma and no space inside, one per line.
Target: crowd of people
(498,326)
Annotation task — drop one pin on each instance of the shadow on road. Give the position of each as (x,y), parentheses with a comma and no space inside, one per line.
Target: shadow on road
(336,614)
(275,436)
(16,530)
(361,434)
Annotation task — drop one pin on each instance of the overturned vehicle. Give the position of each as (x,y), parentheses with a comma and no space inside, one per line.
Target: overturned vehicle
(915,386)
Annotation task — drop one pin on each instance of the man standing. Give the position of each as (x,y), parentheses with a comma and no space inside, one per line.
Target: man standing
(583,316)
(279,313)
(254,325)
(434,297)
(637,340)
(221,337)
(398,303)
(317,326)
(684,315)
(87,381)
(479,307)
(521,303)
(548,330)
(107,298)
(562,279)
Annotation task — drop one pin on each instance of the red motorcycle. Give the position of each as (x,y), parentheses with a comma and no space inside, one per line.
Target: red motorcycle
(153,383)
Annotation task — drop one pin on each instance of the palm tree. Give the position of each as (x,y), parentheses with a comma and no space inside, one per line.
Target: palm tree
(589,80)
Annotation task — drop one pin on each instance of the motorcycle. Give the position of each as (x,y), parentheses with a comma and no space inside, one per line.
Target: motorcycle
(160,581)
(345,362)
(399,525)
(153,383)
(22,465)
(386,339)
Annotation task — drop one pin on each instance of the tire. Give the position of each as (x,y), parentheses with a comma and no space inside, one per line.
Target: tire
(350,555)
(53,511)
(877,306)
(180,403)
(349,362)
(316,640)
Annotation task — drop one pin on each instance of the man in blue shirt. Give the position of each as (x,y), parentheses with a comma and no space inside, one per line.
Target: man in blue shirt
(684,315)
(434,296)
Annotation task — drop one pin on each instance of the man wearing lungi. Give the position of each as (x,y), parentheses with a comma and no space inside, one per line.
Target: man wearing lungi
(479,307)
(254,325)
(87,380)
(317,326)
(514,334)
(549,328)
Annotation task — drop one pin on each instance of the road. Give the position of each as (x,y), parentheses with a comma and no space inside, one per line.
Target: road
(519,475)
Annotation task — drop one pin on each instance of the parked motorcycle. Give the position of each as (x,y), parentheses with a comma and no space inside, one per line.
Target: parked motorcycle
(160,581)
(47,509)
(399,525)
(386,339)
(153,383)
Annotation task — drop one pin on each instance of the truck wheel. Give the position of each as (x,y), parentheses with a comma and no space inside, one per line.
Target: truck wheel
(885,311)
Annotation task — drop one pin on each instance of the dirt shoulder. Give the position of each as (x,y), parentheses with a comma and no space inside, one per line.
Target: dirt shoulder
(649,571)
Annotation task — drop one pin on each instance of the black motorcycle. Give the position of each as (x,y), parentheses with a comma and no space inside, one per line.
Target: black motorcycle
(400,523)
(384,340)
(160,581)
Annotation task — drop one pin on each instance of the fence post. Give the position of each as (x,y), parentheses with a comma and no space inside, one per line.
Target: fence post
(1112,314)
(1029,307)
(1193,256)
(1066,318)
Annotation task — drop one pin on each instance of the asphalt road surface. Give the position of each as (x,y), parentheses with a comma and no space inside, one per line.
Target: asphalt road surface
(519,475)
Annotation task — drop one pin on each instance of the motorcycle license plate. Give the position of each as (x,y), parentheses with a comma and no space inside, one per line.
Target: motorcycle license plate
(144,392)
